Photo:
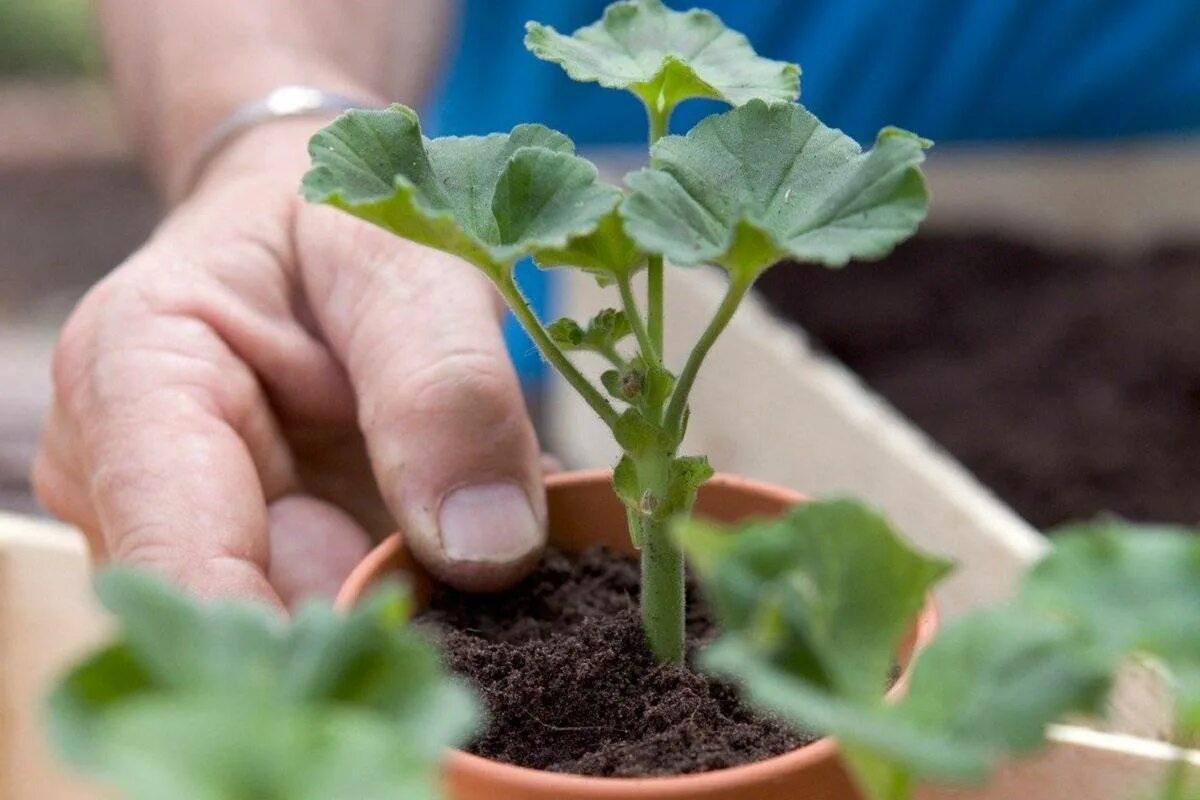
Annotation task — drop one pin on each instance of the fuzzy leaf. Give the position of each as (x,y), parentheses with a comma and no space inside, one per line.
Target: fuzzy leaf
(826,591)
(1135,590)
(607,252)
(686,475)
(750,187)
(665,56)
(566,333)
(225,700)
(603,332)
(637,435)
(490,200)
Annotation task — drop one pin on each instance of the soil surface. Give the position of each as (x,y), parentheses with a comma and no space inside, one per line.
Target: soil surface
(1067,381)
(570,686)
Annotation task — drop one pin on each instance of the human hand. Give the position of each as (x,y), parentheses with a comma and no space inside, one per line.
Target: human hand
(266,382)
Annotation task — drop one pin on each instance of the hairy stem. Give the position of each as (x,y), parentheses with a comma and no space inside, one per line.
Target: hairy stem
(533,326)
(662,593)
(613,357)
(629,303)
(738,287)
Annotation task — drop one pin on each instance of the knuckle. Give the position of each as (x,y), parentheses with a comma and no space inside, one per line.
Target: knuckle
(463,384)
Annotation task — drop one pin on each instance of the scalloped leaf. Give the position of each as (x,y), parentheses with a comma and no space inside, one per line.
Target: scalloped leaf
(607,252)
(665,57)
(490,200)
(758,184)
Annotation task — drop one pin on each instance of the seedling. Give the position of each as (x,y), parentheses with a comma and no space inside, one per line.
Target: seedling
(813,606)
(195,702)
(743,190)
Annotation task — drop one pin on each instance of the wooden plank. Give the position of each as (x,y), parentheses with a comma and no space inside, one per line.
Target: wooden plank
(1080,763)
(48,617)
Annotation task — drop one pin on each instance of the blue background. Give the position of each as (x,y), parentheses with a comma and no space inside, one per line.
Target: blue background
(950,70)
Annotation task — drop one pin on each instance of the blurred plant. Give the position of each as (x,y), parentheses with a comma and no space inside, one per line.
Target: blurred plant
(813,607)
(47,38)
(229,702)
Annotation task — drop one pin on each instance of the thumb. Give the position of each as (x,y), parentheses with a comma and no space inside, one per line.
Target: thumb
(450,441)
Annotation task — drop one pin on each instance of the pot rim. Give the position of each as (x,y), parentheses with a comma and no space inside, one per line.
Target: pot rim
(758,772)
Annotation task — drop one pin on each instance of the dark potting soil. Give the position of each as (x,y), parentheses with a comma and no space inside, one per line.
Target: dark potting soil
(1067,381)
(570,686)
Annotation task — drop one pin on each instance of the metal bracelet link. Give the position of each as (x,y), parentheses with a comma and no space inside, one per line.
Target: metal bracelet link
(280,103)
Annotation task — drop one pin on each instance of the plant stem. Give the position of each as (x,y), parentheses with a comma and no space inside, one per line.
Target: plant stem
(613,357)
(662,593)
(655,310)
(655,313)
(649,351)
(738,287)
(533,326)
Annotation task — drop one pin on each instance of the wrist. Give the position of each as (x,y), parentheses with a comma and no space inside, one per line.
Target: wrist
(189,120)
(276,149)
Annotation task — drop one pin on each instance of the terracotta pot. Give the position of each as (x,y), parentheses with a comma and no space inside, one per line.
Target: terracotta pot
(582,512)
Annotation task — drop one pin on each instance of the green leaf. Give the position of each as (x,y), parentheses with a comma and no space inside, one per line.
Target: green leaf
(750,187)
(987,687)
(665,56)
(684,478)
(826,591)
(637,435)
(1135,590)
(607,252)
(490,200)
(225,700)
(566,333)
(610,379)
(604,332)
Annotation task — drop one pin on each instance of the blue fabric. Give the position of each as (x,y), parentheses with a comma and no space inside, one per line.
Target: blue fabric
(951,70)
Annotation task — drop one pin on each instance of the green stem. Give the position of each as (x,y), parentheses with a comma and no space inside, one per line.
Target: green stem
(649,352)
(655,309)
(655,314)
(533,326)
(613,357)
(662,593)
(738,287)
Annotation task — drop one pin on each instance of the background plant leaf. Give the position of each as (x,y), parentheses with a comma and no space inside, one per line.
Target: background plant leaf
(992,682)
(761,183)
(665,56)
(1135,590)
(826,591)
(490,200)
(226,701)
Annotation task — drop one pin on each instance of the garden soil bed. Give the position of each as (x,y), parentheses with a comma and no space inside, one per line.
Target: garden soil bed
(570,686)
(1068,381)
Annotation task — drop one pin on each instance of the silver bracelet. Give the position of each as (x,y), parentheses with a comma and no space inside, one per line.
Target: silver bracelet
(280,103)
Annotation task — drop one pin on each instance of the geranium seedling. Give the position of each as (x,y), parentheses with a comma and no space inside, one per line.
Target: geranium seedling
(744,190)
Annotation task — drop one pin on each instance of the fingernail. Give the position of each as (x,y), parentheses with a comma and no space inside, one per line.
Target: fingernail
(491,522)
